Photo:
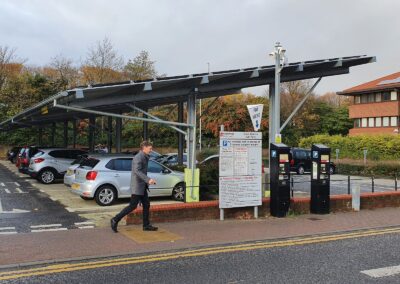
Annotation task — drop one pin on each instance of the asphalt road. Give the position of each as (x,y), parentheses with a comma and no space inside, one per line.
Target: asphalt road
(339,184)
(24,208)
(338,258)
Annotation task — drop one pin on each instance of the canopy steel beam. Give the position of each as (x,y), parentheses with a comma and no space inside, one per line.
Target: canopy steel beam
(300,104)
(78,109)
(156,118)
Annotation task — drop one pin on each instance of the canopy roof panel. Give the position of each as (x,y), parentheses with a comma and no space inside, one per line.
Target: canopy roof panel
(114,97)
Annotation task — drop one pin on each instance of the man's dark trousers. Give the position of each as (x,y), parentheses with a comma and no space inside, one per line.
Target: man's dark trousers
(144,199)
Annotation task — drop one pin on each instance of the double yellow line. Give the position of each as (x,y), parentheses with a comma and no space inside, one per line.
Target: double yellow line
(69,267)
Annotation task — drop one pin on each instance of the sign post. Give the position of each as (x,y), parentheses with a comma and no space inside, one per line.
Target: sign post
(240,172)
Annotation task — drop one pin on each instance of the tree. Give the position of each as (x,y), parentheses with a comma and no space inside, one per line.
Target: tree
(141,68)
(103,64)
(64,71)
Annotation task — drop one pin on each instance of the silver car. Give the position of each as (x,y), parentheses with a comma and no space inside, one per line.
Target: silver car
(69,176)
(49,164)
(107,177)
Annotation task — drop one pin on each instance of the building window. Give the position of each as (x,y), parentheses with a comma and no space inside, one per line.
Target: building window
(393,96)
(364,99)
(371,122)
(378,122)
(371,98)
(393,121)
(378,97)
(357,99)
(357,123)
(385,96)
(364,122)
(385,121)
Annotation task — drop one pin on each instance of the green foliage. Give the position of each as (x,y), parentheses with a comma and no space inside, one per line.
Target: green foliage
(380,147)
(376,170)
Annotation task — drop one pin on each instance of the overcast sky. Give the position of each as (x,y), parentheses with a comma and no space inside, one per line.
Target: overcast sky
(182,36)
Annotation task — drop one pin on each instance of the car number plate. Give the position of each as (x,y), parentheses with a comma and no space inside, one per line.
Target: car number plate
(75,186)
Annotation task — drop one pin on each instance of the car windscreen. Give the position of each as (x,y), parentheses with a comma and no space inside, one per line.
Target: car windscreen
(89,162)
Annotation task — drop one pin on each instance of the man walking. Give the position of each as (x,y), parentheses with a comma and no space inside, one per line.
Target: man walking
(139,186)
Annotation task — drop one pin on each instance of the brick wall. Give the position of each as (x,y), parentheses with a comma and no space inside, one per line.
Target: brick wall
(207,210)
(372,130)
(374,109)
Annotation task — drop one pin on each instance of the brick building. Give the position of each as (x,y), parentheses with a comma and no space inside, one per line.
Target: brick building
(375,106)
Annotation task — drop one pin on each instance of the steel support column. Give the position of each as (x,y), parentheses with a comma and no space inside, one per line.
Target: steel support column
(271,114)
(109,134)
(118,134)
(74,132)
(53,134)
(91,142)
(65,134)
(145,126)
(191,138)
(181,137)
(40,136)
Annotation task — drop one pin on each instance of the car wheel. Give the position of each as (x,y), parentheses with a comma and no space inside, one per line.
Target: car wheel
(178,193)
(47,176)
(300,170)
(105,195)
(331,170)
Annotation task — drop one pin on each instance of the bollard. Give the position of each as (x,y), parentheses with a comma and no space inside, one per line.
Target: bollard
(373,185)
(348,184)
(355,198)
(395,182)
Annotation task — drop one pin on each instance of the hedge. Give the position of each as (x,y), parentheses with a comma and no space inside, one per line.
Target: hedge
(380,147)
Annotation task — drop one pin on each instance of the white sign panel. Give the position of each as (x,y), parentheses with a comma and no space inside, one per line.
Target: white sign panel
(240,169)
(256,115)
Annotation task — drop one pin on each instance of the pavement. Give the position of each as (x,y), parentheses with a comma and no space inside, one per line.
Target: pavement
(59,246)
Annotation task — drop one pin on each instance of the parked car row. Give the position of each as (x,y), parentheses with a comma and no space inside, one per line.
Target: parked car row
(103,177)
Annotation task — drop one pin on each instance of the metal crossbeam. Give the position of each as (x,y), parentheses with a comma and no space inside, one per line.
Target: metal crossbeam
(102,113)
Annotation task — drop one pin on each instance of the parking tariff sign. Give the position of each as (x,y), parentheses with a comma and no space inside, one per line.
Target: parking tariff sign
(240,169)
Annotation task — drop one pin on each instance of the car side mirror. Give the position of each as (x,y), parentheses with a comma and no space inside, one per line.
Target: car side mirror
(166,171)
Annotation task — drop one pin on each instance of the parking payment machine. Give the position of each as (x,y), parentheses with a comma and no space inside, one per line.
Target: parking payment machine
(320,179)
(280,179)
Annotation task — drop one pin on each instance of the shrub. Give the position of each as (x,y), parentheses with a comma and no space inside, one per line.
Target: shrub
(380,147)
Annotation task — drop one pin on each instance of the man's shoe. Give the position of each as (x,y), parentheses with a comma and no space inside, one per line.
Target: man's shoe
(150,228)
(114,225)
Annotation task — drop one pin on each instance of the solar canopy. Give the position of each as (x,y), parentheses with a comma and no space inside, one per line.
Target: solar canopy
(116,97)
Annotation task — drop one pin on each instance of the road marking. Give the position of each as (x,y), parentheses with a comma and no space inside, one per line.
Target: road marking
(68,267)
(7,190)
(382,272)
(45,226)
(8,233)
(86,227)
(19,190)
(6,228)
(17,184)
(84,223)
(49,230)
(2,184)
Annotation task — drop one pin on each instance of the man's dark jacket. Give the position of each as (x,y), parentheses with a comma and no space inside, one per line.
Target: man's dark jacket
(139,178)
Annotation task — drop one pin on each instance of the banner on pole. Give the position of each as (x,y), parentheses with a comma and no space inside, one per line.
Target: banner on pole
(256,115)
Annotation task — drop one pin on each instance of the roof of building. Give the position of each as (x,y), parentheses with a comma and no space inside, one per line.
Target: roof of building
(387,82)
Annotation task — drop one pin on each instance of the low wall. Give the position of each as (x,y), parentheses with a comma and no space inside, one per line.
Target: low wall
(206,210)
